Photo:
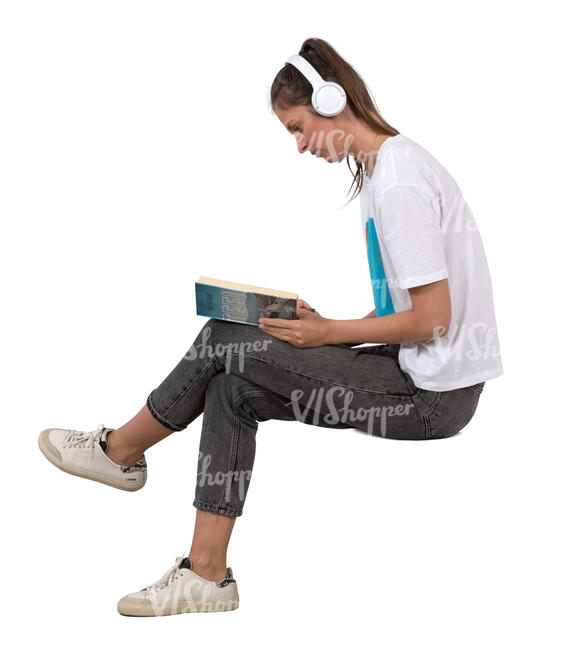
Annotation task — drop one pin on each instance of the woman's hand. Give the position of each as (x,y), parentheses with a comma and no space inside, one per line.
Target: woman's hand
(309,331)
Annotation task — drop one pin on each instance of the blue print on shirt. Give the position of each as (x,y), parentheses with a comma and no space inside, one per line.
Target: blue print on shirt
(381,295)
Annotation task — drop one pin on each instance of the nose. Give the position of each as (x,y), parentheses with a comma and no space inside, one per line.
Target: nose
(302,143)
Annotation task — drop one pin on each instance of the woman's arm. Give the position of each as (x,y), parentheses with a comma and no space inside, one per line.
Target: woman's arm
(429,317)
(371,314)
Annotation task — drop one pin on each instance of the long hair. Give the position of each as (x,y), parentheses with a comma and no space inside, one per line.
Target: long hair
(291,88)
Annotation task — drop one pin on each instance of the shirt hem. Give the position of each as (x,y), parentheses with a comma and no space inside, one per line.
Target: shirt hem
(463,383)
(409,283)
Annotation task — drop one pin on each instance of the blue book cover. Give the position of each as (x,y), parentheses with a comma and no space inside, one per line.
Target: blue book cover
(242,306)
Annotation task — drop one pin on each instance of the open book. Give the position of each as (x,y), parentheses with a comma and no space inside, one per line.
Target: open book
(243,303)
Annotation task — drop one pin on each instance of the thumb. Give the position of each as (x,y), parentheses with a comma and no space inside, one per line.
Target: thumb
(305,313)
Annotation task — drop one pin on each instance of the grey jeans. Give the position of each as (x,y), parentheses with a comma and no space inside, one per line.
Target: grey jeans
(238,376)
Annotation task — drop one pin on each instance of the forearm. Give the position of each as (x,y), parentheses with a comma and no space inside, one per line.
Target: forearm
(371,314)
(401,327)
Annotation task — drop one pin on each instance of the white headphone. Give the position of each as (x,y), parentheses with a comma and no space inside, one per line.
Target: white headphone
(328,97)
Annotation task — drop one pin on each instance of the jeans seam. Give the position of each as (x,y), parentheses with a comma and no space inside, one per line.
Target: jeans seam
(428,414)
(159,417)
(327,381)
(186,389)
(236,430)
(217,509)
(475,390)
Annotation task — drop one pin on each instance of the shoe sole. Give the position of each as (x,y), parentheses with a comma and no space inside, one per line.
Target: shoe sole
(45,444)
(127,607)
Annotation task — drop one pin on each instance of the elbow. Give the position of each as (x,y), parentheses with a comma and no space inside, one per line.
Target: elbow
(439,327)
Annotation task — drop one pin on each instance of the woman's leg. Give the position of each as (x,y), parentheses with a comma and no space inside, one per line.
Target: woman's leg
(233,407)
(210,542)
(328,377)
(212,531)
(130,441)
(238,376)
(361,387)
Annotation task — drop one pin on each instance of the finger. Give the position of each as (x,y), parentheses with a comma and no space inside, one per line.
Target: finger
(281,331)
(281,323)
(281,334)
(305,313)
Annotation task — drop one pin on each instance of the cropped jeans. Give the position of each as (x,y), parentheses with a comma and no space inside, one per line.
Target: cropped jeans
(237,376)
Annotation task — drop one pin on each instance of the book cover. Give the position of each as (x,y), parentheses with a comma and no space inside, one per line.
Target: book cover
(241,303)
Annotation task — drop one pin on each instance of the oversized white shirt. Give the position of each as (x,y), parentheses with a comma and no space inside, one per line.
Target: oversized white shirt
(419,229)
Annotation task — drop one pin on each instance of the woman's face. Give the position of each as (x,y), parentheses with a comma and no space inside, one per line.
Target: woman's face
(324,137)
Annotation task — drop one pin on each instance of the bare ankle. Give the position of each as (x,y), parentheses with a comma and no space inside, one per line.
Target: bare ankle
(208,569)
(118,453)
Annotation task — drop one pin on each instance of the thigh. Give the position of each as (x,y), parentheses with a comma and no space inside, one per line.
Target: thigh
(329,406)
(373,369)
(229,396)
(332,385)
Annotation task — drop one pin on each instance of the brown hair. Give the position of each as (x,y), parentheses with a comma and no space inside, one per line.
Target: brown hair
(291,88)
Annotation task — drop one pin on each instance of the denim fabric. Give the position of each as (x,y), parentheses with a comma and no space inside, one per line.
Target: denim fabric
(238,376)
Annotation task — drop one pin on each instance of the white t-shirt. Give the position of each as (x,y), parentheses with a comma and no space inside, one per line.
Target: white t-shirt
(419,229)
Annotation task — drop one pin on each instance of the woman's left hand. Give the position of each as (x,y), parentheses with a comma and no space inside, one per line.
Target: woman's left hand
(309,331)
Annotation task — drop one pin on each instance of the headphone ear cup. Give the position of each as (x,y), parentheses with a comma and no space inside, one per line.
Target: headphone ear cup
(329,99)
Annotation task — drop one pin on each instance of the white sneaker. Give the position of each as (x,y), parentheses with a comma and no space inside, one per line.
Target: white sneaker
(180,591)
(83,453)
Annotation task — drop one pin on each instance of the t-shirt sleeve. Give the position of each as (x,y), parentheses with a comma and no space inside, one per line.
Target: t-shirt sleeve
(408,218)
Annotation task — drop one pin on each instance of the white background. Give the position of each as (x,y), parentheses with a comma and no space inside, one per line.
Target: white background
(138,152)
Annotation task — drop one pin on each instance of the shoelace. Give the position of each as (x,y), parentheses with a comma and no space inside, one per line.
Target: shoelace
(166,579)
(76,438)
